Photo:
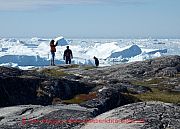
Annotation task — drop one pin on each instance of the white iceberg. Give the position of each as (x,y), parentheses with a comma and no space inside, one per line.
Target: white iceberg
(102,51)
(1,47)
(36,51)
(61,41)
(132,51)
(10,64)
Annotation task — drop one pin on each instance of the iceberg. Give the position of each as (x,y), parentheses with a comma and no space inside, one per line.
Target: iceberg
(24,60)
(1,49)
(132,51)
(10,64)
(36,51)
(36,39)
(103,50)
(160,51)
(61,41)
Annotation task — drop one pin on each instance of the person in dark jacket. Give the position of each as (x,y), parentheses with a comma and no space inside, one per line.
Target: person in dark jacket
(53,50)
(68,55)
(96,61)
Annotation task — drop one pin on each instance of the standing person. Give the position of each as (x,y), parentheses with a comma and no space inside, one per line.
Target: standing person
(96,61)
(53,50)
(68,55)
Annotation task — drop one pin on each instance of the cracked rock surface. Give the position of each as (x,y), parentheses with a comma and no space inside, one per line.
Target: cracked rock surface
(28,95)
(142,115)
(43,117)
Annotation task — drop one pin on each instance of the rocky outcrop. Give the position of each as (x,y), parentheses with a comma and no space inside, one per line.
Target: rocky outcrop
(42,117)
(106,99)
(22,87)
(143,115)
(164,67)
(16,91)
(60,88)
(136,70)
(106,88)
(8,71)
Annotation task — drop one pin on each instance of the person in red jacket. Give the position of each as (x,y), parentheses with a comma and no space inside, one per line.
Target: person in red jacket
(53,50)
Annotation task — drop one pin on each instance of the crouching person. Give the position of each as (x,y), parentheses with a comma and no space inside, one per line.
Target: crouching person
(96,61)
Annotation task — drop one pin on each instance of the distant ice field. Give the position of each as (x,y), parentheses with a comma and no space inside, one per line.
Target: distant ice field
(35,52)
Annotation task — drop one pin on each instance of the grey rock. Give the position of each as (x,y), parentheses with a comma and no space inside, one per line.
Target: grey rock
(35,116)
(136,70)
(23,87)
(106,99)
(19,87)
(8,71)
(143,115)
(168,72)
(16,90)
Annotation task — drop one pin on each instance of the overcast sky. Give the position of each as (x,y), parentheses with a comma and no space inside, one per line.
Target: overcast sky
(90,18)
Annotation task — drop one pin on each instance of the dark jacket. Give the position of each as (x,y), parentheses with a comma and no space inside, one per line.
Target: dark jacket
(96,61)
(68,54)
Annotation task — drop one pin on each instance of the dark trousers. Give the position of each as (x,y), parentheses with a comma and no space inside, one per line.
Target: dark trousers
(68,60)
(52,58)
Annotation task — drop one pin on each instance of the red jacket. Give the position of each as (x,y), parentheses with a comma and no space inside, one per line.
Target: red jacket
(53,47)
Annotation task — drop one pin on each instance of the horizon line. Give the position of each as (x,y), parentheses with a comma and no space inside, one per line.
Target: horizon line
(94,37)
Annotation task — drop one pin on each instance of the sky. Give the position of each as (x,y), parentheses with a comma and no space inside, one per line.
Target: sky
(90,18)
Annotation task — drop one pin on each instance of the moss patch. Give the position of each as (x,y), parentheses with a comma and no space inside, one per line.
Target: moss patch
(149,82)
(56,101)
(129,98)
(163,83)
(54,72)
(88,67)
(157,95)
(161,90)
(177,75)
(77,99)
(72,66)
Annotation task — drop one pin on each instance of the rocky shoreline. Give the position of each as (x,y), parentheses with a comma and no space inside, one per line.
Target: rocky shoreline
(36,98)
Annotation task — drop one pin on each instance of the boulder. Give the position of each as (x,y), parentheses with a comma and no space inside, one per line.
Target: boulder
(106,99)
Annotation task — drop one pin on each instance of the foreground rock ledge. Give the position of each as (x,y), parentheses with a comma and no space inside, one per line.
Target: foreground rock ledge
(112,84)
(156,115)
(43,117)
